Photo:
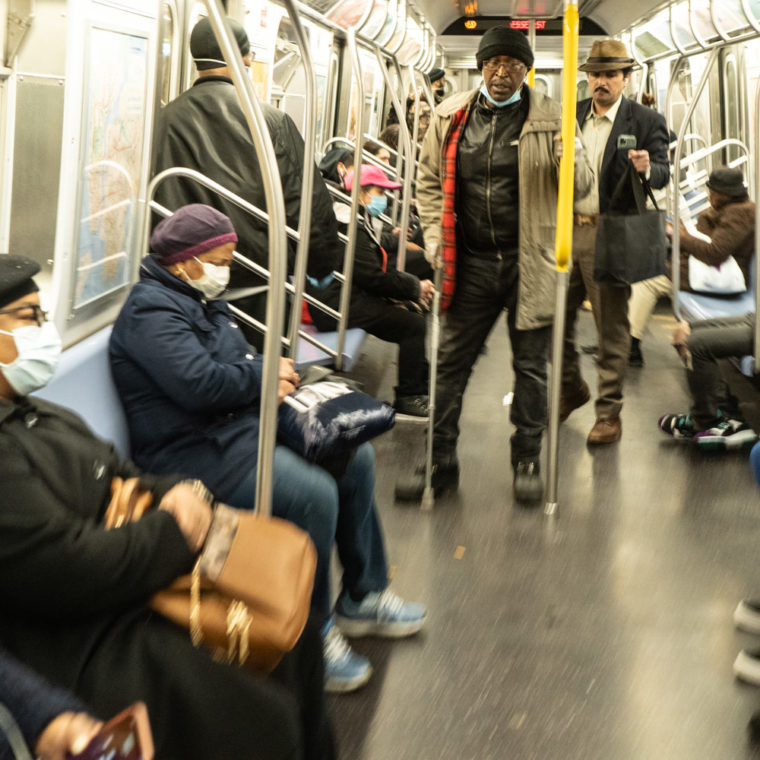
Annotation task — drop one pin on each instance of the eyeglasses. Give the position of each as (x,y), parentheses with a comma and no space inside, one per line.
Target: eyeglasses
(494,65)
(38,314)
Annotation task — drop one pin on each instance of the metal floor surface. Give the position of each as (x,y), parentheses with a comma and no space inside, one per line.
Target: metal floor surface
(603,634)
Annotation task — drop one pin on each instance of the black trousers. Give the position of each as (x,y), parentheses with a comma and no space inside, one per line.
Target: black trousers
(710,340)
(484,288)
(395,324)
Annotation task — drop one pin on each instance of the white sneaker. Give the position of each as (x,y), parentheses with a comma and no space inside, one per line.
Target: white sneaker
(344,669)
(747,616)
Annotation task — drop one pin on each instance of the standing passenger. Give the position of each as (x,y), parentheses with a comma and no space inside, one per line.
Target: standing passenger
(487,194)
(610,123)
(205,129)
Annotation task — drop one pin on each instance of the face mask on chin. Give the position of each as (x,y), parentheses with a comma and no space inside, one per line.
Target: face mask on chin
(214,280)
(39,348)
(499,104)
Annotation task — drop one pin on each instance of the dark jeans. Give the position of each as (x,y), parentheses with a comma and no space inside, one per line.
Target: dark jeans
(331,511)
(710,340)
(483,289)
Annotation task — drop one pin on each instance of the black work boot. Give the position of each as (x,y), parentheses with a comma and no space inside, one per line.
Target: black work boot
(528,487)
(635,358)
(445,478)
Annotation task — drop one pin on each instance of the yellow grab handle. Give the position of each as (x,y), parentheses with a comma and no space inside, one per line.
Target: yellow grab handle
(564,241)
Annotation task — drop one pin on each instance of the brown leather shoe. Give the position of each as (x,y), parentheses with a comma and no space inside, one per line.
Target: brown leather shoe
(570,402)
(605,431)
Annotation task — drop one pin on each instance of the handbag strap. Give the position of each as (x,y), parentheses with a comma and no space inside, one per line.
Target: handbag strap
(13,733)
(639,187)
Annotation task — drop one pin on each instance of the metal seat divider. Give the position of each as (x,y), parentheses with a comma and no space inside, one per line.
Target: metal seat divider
(278,256)
(307,184)
(202,179)
(675,206)
(408,159)
(348,259)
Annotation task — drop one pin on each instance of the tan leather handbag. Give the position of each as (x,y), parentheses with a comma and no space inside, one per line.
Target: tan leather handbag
(249,594)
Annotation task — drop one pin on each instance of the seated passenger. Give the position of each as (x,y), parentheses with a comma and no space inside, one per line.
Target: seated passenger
(75,595)
(715,421)
(724,230)
(384,302)
(190,385)
(51,721)
(333,167)
(380,152)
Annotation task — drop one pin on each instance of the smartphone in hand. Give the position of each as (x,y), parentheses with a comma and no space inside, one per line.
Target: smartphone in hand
(125,737)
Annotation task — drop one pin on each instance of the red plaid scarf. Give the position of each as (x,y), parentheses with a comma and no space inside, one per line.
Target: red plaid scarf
(448,217)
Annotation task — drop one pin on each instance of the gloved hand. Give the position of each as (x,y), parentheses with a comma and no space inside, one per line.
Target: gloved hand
(434,255)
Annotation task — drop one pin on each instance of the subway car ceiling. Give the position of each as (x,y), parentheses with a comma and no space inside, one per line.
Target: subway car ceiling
(608,18)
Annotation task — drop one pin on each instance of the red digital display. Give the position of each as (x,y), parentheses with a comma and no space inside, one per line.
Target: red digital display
(525,24)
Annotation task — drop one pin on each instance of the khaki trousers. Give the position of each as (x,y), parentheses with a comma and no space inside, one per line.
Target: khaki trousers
(644,298)
(609,305)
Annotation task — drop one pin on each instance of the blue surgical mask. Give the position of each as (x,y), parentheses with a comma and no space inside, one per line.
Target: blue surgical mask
(377,205)
(39,348)
(499,104)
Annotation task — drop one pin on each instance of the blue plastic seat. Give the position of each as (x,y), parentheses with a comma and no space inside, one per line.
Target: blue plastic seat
(83,383)
(309,354)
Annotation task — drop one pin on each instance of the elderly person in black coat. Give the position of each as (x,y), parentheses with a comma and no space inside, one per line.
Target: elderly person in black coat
(75,595)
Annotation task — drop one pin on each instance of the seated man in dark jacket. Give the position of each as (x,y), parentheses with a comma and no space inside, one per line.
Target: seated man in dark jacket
(191,386)
(384,302)
(75,595)
(205,129)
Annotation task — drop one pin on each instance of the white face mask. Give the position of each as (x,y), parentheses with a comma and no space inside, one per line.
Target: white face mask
(214,280)
(39,348)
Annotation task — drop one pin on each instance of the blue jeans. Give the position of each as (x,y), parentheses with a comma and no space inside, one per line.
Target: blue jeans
(329,510)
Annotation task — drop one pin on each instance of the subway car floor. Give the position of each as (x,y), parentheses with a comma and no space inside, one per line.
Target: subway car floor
(603,633)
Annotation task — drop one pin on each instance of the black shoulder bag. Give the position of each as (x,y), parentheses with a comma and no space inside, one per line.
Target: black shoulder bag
(632,245)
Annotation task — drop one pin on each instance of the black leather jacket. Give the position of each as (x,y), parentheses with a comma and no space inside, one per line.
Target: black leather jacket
(488,209)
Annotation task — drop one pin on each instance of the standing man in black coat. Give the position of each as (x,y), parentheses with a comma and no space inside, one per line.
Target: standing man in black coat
(205,129)
(616,131)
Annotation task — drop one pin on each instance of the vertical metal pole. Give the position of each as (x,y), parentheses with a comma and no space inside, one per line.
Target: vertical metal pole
(564,241)
(348,262)
(278,255)
(675,270)
(307,184)
(757,226)
(428,495)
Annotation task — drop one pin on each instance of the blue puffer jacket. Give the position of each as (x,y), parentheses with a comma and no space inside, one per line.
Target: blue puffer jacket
(188,380)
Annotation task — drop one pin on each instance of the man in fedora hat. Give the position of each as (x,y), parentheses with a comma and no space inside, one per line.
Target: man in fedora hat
(616,131)
(487,196)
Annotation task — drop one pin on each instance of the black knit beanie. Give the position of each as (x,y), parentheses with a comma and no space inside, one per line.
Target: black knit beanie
(499,40)
(205,49)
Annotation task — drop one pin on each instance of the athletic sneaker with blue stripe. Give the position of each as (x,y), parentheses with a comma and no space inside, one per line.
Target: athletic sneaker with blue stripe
(344,669)
(380,613)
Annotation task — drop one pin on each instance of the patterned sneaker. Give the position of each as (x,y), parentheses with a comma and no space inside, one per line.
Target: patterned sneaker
(344,669)
(727,434)
(380,613)
(677,425)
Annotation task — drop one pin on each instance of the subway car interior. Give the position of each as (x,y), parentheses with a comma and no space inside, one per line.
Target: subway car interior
(595,626)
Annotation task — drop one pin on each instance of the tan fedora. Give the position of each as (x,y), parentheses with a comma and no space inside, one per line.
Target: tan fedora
(607,55)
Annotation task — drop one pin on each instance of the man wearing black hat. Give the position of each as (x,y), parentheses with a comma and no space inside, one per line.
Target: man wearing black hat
(438,83)
(487,196)
(205,129)
(616,131)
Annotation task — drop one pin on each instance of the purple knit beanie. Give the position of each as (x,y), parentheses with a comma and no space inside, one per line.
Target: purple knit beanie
(190,231)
